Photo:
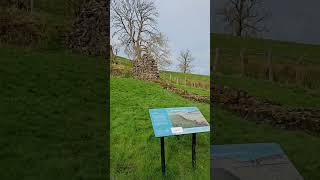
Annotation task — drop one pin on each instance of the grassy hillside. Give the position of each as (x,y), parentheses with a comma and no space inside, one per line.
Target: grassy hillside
(292,63)
(284,94)
(135,152)
(278,47)
(52,115)
(201,89)
(165,74)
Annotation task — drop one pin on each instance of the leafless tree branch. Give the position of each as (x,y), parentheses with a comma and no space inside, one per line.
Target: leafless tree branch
(185,60)
(244,16)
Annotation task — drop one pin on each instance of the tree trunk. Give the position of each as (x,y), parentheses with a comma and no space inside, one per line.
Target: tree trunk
(240,23)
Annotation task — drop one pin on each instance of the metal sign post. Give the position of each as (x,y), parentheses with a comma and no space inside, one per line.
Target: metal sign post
(163,159)
(194,150)
(177,121)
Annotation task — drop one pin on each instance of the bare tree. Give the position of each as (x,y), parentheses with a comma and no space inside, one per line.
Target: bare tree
(158,48)
(185,60)
(134,24)
(115,49)
(245,17)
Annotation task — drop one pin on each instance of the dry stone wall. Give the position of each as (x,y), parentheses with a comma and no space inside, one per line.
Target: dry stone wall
(250,107)
(145,68)
(89,34)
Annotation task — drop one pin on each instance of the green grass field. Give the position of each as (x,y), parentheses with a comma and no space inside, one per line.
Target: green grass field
(278,47)
(292,63)
(53,113)
(166,74)
(287,95)
(301,148)
(135,152)
(194,90)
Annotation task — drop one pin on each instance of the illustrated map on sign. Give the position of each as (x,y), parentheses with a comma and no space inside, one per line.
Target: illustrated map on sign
(263,161)
(176,121)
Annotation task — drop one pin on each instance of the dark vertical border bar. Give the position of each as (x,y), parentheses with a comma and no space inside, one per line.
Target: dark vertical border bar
(194,141)
(212,113)
(107,58)
(163,159)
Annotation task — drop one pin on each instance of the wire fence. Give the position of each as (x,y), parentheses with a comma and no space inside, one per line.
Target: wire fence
(301,70)
(186,81)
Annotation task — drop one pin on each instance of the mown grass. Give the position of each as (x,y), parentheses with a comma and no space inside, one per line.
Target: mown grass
(53,115)
(301,148)
(135,152)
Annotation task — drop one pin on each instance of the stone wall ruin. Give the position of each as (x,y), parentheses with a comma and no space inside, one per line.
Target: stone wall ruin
(146,68)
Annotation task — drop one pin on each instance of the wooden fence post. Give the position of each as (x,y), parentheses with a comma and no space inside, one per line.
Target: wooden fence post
(170,78)
(243,66)
(270,70)
(299,78)
(216,60)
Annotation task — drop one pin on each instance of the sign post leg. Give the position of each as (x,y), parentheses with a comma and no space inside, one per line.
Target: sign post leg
(163,160)
(194,150)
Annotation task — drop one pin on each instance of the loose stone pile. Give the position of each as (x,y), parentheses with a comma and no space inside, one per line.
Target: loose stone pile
(89,34)
(250,107)
(172,88)
(145,68)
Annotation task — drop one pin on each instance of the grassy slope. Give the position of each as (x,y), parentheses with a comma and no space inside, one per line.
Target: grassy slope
(193,90)
(166,74)
(278,47)
(286,95)
(52,115)
(135,152)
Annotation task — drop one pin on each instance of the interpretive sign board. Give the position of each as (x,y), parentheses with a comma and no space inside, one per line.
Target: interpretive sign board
(177,121)
(263,161)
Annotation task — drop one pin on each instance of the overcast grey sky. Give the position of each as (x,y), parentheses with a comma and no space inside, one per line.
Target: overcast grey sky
(186,23)
(187,26)
(292,20)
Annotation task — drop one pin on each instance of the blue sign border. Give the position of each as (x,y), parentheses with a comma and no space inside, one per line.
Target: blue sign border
(162,125)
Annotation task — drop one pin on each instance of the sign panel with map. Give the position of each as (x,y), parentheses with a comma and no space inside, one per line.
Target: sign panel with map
(176,121)
(263,161)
